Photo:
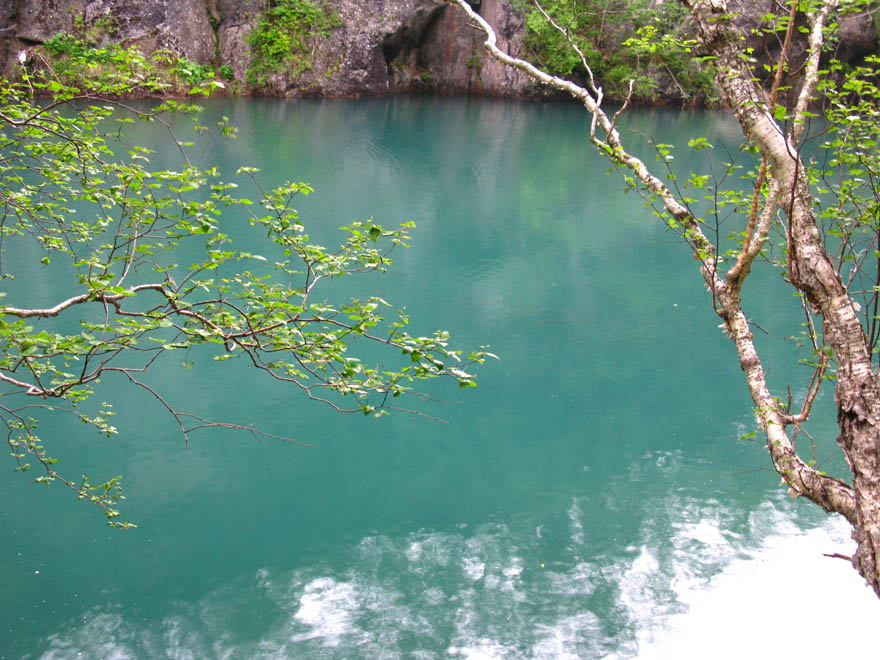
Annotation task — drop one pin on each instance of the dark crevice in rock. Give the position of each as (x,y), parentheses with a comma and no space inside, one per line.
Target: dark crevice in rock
(409,36)
(214,13)
(426,35)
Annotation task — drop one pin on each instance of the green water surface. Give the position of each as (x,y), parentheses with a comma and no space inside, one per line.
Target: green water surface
(569,507)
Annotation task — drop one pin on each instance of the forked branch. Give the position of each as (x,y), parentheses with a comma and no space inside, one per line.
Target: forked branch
(831,494)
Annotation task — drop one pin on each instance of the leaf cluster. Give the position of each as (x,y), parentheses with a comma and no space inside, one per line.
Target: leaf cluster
(154,273)
(68,61)
(846,173)
(636,41)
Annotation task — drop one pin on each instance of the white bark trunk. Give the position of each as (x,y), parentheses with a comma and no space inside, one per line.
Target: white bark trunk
(858,390)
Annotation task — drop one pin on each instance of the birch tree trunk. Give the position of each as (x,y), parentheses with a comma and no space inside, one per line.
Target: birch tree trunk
(811,270)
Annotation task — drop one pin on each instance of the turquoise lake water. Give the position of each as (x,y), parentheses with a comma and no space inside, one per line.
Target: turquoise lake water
(590,499)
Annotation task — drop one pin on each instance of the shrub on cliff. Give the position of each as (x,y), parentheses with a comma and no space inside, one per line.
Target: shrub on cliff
(281,41)
(614,38)
(66,60)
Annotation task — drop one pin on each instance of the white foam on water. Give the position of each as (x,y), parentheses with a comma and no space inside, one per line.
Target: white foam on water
(561,640)
(699,548)
(575,515)
(783,599)
(579,580)
(326,608)
(473,568)
(103,635)
(639,583)
(427,551)
(414,551)
(177,638)
(481,650)
(691,588)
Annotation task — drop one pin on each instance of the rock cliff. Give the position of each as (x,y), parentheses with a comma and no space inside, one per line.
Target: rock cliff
(375,47)
(378,47)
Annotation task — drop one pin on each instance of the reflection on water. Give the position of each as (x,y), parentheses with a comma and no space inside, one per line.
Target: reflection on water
(482,593)
(590,499)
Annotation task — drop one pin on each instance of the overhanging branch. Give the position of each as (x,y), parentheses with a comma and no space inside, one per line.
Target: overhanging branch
(832,494)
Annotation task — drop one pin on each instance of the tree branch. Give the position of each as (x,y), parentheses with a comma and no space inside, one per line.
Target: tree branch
(830,493)
(80,299)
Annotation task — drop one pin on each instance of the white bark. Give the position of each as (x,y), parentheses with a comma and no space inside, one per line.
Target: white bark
(858,390)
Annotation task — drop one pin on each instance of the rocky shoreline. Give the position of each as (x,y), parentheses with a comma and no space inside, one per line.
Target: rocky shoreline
(376,47)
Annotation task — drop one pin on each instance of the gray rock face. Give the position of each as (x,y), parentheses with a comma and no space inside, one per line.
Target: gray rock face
(39,20)
(405,46)
(352,60)
(181,26)
(381,47)
(8,13)
(452,51)
(236,19)
(858,36)
(509,25)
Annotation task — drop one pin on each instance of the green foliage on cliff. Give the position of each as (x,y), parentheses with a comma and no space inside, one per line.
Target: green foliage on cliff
(110,68)
(621,41)
(281,41)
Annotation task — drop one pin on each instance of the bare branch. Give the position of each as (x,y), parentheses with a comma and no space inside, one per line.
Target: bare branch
(29,388)
(78,300)
(596,90)
(811,74)
(611,145)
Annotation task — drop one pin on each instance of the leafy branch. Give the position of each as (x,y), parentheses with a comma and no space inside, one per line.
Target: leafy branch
(155,272)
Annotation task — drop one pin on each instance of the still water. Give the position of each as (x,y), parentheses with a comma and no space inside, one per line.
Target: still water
(591,499)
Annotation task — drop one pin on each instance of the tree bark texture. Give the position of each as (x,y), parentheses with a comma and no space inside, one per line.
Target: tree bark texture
(810,269)
(857,392)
